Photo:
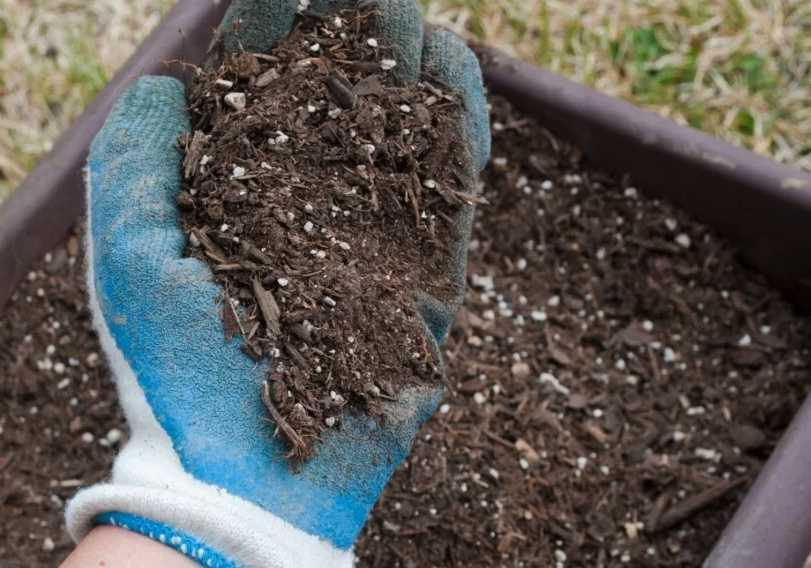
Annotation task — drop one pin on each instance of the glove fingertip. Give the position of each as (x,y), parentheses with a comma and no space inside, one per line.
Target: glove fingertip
(152,110)
(399,27)
(256,25)
(447,58)
(326,7)
(150,92)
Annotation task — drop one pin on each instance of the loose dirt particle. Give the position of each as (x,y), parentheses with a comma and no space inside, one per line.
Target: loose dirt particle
(312,200)
(747,437)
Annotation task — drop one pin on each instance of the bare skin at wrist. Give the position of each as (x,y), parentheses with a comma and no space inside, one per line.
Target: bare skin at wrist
(112,547)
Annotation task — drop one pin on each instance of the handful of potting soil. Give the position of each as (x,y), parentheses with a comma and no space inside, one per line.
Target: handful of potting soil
(329,204)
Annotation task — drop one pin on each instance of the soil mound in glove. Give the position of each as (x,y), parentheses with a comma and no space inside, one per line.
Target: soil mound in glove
(324,199)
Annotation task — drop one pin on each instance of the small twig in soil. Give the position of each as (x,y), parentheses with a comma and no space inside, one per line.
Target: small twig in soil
(295,355)
(255,253)
(658,508)
(194,153)
(265,57)
(212,250)
(167,62)
(436,92)
(469,198)
(230,267)
(413,199)
(293,437)
(654,364)
(498,439)
(689,507)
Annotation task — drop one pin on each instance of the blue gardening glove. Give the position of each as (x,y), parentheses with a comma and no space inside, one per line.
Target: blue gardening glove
(203,472)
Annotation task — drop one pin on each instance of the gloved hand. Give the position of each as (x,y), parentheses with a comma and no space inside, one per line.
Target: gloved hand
(202,471)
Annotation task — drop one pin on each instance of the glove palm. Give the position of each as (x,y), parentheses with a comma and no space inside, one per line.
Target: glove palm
(203,469)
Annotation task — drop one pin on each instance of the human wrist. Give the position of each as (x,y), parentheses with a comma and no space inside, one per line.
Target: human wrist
(118,548)
(217,528)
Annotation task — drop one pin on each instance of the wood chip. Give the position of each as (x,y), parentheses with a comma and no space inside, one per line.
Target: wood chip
(253,352)
(184,201)
(527,451)
(267,78)
(268,307)
(301,332)
(255,253)
(342,92)
(212,250)
(595,432)
(368,86)
(295,355)
(231,321)
(194,153)
(298,316)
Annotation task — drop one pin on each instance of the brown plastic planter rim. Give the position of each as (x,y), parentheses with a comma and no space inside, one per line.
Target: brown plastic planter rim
(762,206)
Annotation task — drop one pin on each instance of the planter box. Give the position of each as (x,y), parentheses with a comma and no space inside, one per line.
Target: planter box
(761,206)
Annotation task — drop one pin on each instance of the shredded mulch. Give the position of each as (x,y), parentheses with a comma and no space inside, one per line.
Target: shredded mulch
(615,391)
(325,200)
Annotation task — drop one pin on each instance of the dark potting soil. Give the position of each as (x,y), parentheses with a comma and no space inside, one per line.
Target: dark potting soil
(607,381)
(325,201)
(620,379)
(60,422)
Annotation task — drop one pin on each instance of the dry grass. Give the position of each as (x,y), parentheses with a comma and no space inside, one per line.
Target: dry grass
(740,69)
(55,56)
(736,68)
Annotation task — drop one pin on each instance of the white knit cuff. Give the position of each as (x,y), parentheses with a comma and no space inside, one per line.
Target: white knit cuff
(250,538)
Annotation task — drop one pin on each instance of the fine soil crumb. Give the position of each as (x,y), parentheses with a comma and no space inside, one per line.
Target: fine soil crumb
(577,451)
(325,201)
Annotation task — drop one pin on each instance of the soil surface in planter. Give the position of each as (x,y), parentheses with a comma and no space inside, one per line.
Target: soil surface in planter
(615,369)
(324,199)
